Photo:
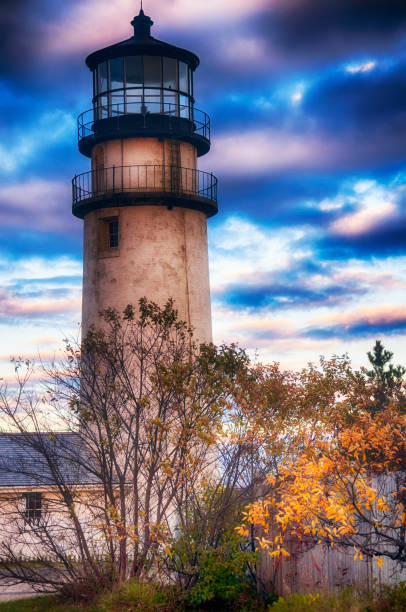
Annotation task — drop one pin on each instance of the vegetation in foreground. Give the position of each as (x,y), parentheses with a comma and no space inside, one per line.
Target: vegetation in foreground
(197,458)
(150,598)
(391,599)
(135,596)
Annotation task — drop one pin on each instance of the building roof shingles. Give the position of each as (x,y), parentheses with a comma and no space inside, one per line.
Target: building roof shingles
(23,460)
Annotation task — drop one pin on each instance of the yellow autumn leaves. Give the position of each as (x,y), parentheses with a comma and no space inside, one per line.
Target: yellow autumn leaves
(347,487)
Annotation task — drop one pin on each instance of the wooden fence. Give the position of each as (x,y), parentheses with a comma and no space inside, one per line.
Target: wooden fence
(321,567)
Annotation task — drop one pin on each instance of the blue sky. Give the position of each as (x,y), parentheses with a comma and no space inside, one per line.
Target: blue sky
(308,106)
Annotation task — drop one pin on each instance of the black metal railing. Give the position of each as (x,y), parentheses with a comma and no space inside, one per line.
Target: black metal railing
(144,108)
(174,180)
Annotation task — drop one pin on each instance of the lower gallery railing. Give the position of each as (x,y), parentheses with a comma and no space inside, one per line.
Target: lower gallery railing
(144,179)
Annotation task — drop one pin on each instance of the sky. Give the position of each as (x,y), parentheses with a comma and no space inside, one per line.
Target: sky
(307,100)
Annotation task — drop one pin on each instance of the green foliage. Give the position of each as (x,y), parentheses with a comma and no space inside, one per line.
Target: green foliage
(221,573)
(211,562)
(385,378)
(41,604)
(391,599)
(132,597)
(139,596)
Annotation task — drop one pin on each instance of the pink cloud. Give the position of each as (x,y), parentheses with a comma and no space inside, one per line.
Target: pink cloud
(46,202)
(259,151)
(110,21)
(15,307)
(368,278)
(375,315)
(364,219)
(44,356)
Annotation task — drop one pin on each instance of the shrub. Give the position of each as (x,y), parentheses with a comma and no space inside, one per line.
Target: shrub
(390,599)
(138,596)
(222,573)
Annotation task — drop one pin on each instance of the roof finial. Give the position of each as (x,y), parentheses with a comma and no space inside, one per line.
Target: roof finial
(142,25)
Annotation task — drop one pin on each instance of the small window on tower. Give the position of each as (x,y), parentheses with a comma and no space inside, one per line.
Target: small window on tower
(108,237)
(113,234)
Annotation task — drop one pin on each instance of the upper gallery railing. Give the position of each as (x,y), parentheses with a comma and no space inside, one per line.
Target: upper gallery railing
(144,110)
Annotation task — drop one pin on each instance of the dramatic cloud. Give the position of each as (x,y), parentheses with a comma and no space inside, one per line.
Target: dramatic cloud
(263,151)
(368,322)
(307,100)
(12,307)
(318,30)
(46,131)
(109,21)
(364,219)
(39,204)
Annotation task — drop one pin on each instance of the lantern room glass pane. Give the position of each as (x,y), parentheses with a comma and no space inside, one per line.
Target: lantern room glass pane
(183,77)
(133,103)
(169,103)
(169,66)
(117,103)
(152,71)
(103,108)
(116,73)
(103,77)
(152,100)
(134,71)
(184,106)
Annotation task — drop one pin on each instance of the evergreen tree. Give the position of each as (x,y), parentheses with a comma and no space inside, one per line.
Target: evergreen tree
(386,380)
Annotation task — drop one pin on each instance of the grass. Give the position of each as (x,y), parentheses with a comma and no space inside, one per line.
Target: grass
(136,597)
(41,604)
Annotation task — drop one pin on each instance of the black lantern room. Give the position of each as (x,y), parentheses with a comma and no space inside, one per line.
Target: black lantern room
(143,87)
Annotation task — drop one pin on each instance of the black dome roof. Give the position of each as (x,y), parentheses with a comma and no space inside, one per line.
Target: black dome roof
(142,43)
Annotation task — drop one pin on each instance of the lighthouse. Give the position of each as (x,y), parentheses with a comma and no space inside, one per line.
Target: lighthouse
(144,202)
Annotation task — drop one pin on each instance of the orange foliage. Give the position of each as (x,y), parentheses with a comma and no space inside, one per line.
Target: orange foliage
(347,486)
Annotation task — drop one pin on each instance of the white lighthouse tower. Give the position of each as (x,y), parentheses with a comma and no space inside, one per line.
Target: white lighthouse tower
(144,202)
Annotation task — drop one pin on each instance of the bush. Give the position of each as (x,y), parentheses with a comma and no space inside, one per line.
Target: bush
(222,573)
(145,597)
(390,599)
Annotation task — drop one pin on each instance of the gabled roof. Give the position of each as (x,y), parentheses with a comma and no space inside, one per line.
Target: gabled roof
(43,459)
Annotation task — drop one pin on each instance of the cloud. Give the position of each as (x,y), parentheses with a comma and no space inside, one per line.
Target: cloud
(365,67)
(47,130)
(254,267)
(373,204)
(39,289)
(38,204)
(13,308)
(260,151)
(242,50)
(241,251)
(360,98)
(313,30)
(364,219)
(111,22)
(368,322)
(279,293)
(307,99)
